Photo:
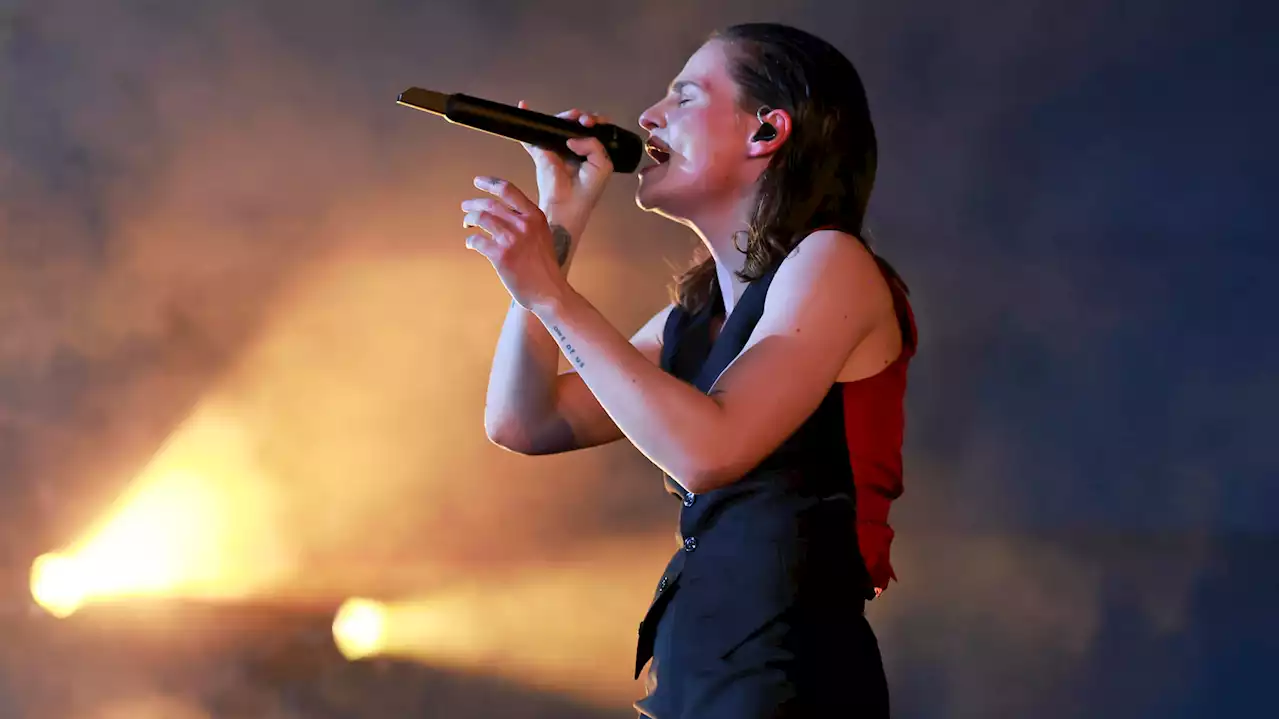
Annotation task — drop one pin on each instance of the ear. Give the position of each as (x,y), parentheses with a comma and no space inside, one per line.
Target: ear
(781,122)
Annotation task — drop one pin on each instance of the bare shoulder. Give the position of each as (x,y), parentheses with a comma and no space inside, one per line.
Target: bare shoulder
(836,267)
(830,290)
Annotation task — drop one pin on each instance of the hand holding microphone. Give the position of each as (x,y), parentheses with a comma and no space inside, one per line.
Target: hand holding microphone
(625,148)
(569,189)
(574,152)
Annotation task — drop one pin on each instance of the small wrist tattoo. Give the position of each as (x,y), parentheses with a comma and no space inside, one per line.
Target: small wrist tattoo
(574,358)
(563,241)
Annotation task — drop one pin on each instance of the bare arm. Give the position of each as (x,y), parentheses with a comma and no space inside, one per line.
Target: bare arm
(824,301)
(532,409)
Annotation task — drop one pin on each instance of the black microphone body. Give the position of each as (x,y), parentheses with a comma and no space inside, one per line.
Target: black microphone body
(625,148)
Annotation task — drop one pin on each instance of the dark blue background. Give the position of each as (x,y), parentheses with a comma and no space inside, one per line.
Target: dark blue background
(1078,193)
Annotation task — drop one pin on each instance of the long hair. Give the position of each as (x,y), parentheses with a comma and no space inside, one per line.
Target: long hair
(822,175)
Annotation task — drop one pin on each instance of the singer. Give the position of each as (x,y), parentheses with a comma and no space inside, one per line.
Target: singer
(769,392)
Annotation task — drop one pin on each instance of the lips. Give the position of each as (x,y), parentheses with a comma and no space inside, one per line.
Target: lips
(658,150)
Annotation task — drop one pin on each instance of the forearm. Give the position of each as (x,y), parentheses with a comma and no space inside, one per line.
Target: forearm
(522,381)
(573,223)
(671,422)
(521,393)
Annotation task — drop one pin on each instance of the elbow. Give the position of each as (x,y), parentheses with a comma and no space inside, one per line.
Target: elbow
(507,436)
(701,482)
(693,483)
(517,438)
(703,476)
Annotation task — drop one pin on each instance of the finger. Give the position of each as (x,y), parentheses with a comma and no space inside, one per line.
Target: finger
(527,147)
(493,206)
(541,153)
(495,225)
(531,149)
(589,119)
(510,194)
(482,244)
(593,150)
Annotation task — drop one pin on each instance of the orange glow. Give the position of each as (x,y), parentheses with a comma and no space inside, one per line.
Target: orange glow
(150,707)
(359,628)
(261,473)
(567,628)
(343,454)
(58,584)
(196,523)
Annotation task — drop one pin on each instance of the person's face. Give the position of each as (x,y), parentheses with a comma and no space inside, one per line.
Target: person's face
(704,134)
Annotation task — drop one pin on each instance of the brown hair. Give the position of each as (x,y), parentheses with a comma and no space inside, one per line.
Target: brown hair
(821,176)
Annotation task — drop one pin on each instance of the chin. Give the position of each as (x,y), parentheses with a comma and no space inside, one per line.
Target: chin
(651,196)
(646,197)
(645,202)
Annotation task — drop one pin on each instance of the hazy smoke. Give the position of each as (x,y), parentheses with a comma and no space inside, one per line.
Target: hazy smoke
(218,204)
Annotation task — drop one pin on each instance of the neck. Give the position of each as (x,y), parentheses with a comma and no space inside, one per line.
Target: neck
(716,228)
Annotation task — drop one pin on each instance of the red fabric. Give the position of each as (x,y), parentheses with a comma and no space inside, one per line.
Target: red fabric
(874,421)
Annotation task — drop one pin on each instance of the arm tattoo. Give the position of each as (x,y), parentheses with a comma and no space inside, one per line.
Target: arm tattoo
(569,351)
(563,240)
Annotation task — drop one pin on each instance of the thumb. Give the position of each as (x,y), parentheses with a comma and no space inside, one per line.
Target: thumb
(593,150)
(527,147)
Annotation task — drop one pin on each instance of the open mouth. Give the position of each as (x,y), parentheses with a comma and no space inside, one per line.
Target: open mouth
(657,150)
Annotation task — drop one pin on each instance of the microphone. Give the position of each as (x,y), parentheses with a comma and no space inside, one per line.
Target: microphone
(625,148)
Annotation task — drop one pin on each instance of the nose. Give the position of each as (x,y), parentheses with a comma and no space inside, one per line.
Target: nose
(651,119)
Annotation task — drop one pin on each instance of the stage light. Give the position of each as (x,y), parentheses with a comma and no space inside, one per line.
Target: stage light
(565,627)
(359,628)
(196,523)
(57,584)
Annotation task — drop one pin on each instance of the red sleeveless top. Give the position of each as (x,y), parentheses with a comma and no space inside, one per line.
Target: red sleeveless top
(874,421)
(874,425)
